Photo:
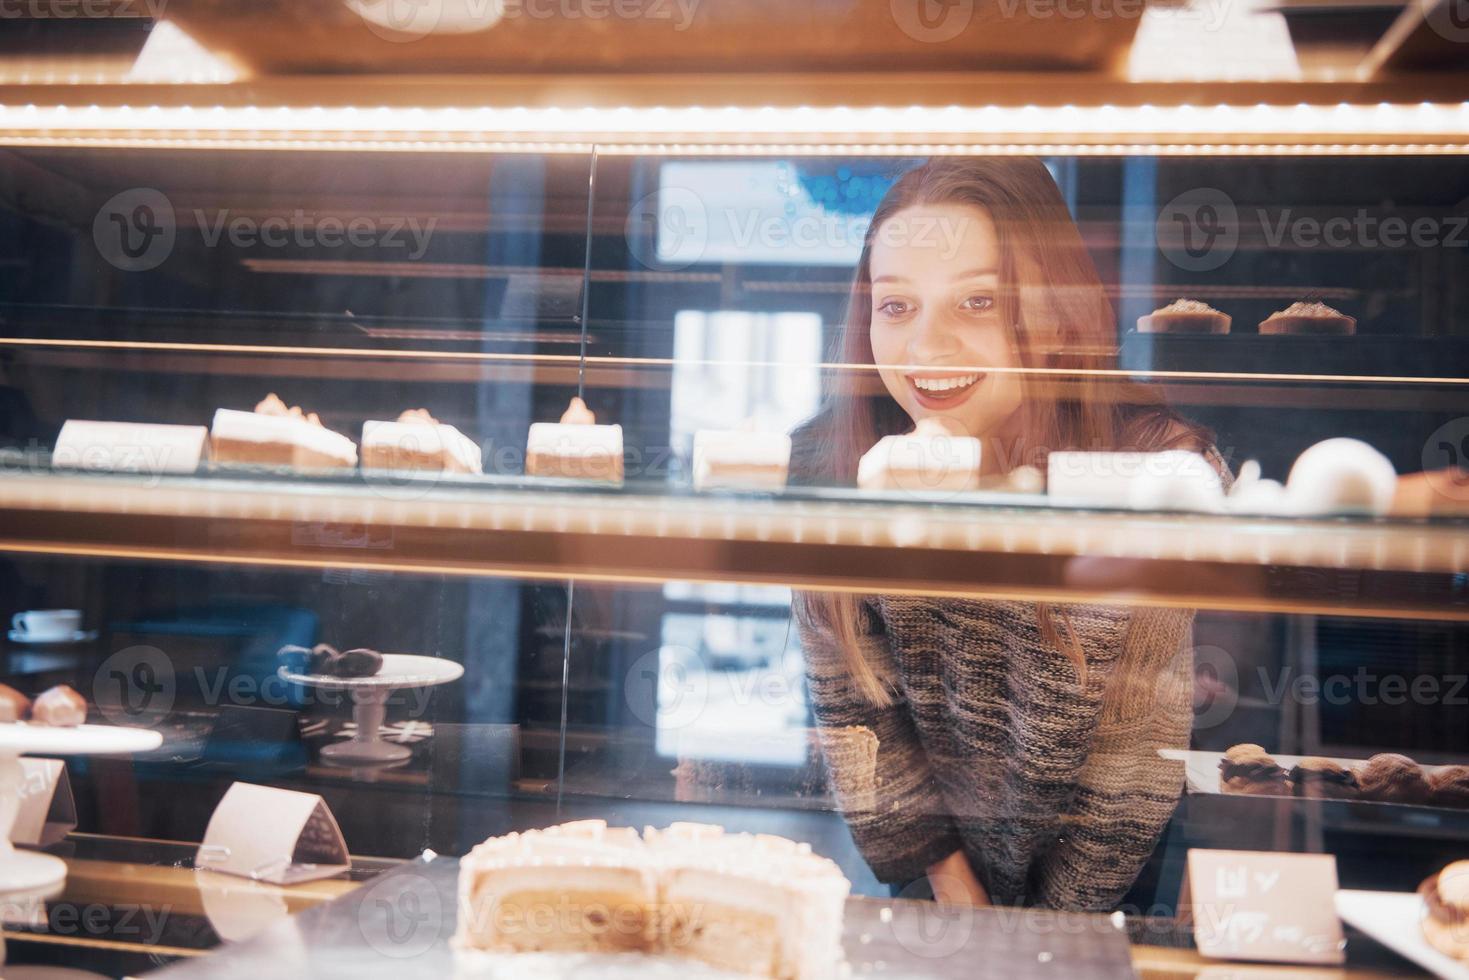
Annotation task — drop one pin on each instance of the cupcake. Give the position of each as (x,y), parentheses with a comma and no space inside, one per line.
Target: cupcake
(1308,318)
(1446,910)
(1321,779)
(1391,778)
(1249,769)
(1450,787)
(1184,316)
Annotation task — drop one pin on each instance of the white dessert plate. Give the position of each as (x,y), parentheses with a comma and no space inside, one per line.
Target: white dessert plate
(1392,919)
(398,670)
(21,738)
(33,640)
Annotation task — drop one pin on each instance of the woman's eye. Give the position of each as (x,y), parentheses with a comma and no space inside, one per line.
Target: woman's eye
(979,304)
(894,307)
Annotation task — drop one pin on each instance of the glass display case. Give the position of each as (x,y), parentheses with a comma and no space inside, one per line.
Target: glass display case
(1049,660)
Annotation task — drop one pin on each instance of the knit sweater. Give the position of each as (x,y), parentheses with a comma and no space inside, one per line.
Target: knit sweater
(1053,788)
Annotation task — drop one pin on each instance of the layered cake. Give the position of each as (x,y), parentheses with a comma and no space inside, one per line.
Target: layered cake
(277,435)
(758,904)
(1184,316)
(576,447)
(1308,318)
(935,457)
(1250,770)
(744,460)
(1446,910)
(130,447)
(418,441)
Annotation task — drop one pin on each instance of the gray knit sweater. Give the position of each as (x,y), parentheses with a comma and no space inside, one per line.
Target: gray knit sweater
(1053,789)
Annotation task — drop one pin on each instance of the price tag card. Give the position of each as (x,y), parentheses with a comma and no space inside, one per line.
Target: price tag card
(1263,905)
(130,447)
(274,835)
(48,811)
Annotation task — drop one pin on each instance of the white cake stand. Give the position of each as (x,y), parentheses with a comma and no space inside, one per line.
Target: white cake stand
(23,871)
(370,702)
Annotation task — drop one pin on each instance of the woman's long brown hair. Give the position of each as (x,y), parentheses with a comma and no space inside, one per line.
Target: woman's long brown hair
(1061,321)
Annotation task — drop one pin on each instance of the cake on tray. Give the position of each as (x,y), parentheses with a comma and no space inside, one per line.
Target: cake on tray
(277,435)
(575,448)
(418,441)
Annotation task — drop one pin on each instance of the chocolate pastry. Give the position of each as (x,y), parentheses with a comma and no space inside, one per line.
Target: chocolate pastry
(1249,769)
(1446,906)
(359,662)
(1322,779)
(59,707)
(299,660)
(1392,778)
(1450,786)
(14,706)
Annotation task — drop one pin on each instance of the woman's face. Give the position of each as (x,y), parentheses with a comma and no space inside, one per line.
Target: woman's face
(937,333)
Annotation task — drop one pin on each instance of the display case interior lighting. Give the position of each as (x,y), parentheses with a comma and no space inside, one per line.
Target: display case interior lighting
(1385,127)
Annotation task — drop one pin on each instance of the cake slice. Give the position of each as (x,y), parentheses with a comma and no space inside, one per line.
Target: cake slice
(418,441)
(576,447)
(274,435)
(742,460)
(934,457)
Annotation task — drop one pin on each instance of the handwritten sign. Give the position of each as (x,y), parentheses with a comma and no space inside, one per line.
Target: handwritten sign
(1262,905)
(274,835)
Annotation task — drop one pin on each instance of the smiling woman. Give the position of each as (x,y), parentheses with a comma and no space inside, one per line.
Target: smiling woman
(1018,743)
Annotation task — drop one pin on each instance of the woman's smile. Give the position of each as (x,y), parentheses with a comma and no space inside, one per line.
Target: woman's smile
(939,391)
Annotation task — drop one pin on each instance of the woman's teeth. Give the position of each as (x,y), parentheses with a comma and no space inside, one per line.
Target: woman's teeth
(944,384)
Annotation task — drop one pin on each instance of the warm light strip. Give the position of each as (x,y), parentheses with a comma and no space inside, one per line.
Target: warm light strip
(610,361)
(853,129)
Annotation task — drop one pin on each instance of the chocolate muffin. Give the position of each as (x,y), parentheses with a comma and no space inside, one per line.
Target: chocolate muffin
(1392,778)
(1249,769)
(1446,910)
(1321,779)
(14,706)
(1450,786)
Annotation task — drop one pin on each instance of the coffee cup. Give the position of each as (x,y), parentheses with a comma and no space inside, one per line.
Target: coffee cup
(47,624)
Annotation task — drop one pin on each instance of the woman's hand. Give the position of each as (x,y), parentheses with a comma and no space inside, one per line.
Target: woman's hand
(955,883)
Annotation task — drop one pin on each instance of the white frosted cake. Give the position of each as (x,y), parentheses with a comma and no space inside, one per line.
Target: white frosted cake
(576,447)
(418,441)
(752,903)
(274,435)
(751,460)
(934,457)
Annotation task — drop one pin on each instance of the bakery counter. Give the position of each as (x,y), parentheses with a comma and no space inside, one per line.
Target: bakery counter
(971,544)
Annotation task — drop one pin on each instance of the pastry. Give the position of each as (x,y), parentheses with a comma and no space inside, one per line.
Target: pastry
(1322,779)
(1391,778)
(274,435)
(746,460)
(14,706)
(1445,921)
(418,441)
(1308,318)
(1450,787)
(130,447)
(1341,476)
(357,662)
(935,457)
(1250,770)
(757,904)
(59,707)
(576,447)
(1184,316)
(324,660)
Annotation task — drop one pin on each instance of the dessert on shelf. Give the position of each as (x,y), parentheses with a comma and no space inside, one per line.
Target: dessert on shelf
(754,903)
(130,447)
(325,660)
(1341,476)
(1450,786)
(1175,479)
(1249,769)
(277,435)
(741,460)
(1322,779)
(59,707)
(1184,316)
(576,447)
(14,706)
(1446,910)
(1392,778)
(935,457)
(1308,318)
(418,441)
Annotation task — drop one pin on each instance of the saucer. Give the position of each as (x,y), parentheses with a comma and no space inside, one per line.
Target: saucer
(50,639)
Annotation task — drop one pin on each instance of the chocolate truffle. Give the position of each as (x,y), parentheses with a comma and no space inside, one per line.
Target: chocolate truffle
(59,707)
(360,662)
(1392,778)
(1450,786)
(14,706)
(1321,779)
(1249,769)
(1446,910)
